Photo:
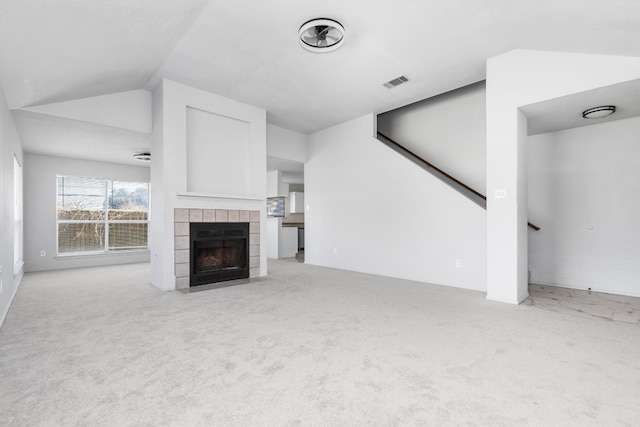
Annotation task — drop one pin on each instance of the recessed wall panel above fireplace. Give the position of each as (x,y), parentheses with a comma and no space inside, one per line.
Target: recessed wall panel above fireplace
(217,154)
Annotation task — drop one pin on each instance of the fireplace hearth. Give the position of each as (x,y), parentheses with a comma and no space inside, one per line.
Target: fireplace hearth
(219,252)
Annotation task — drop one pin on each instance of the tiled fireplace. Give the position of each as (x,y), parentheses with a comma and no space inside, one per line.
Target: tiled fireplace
(182,224)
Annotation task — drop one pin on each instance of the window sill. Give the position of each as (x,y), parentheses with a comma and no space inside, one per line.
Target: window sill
(101,254)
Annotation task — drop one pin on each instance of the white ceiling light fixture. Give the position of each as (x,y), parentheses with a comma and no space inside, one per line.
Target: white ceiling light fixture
(321,35)
(599,112)
(143,157)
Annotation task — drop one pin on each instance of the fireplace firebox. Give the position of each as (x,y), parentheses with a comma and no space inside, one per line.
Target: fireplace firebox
(219,252)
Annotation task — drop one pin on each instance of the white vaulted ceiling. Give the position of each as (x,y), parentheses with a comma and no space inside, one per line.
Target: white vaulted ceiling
(57,50)
(52,51)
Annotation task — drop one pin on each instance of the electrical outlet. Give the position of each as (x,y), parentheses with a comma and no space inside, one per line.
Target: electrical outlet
(500,194)
(458,263)
(43,253)
(335,251)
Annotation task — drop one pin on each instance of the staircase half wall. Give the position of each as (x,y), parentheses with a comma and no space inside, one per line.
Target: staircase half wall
(369,209)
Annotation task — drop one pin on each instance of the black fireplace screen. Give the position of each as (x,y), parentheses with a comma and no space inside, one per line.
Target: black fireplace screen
(219,252)
(218,255)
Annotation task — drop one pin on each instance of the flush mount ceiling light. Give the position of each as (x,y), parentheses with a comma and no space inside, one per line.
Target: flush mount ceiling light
(599,112)
(143,157)
(321,35)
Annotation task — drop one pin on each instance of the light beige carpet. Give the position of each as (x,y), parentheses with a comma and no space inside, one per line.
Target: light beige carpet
(308,346)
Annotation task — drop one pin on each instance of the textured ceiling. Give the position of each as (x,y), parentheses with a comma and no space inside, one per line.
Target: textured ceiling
(55,50)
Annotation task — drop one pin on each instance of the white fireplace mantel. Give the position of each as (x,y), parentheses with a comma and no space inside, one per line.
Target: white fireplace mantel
(219,196)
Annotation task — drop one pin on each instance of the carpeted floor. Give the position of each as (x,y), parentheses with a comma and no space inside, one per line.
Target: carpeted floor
(306,346)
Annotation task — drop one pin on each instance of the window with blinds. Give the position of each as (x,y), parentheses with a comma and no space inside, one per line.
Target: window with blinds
(99,215)
(17,216)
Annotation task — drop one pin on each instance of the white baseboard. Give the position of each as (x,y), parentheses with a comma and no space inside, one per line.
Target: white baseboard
(160,288)
(15,291)
(17,267)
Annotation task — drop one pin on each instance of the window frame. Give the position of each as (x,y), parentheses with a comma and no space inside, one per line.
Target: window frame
(18,215)
(105,221)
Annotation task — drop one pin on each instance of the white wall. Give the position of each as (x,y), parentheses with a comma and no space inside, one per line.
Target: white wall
(9,147)
(372,210)
(273,223)
(516,79)
(286,144)
(171,137)
(40,174)
(583,189)
(218,154)
(448,131)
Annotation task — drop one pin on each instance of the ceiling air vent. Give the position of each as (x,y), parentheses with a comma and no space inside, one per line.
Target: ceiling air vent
(396,82)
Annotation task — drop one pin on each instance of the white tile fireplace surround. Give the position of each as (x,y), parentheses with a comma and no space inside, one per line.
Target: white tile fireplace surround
(184,217)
